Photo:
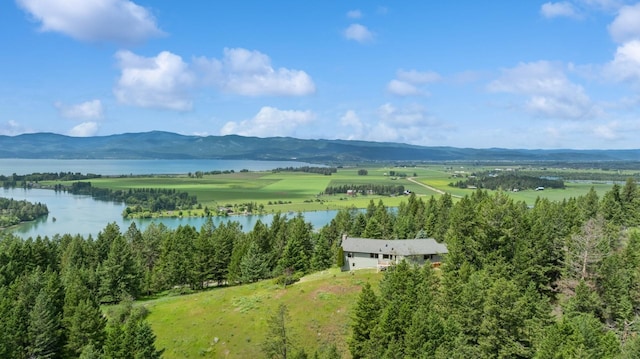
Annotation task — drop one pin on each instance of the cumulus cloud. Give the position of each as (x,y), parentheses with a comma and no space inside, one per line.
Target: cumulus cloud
(358,33)
(250,73)
(163,81)
(407,83)
(86,110)
(548,90)
(270,121)
(354,14)
(626,25)
(625,65)
(558,9)
(355,126)
(166,81)
(84,129)
(119,21)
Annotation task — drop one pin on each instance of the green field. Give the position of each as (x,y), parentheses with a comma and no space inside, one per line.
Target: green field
(297,191)
(320,306)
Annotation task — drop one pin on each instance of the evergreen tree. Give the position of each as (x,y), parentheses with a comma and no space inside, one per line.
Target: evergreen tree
(45,330)
(119,273)
(365,317)
(278,343)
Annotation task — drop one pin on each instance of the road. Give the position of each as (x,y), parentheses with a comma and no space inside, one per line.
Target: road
(411,179)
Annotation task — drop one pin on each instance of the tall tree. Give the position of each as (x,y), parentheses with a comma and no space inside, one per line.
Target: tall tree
(365,318)
(119,273)
(278,343)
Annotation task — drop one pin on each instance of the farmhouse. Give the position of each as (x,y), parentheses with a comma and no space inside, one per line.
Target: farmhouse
(381,253)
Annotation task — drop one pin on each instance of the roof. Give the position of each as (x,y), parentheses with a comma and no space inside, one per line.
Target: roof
(403,247)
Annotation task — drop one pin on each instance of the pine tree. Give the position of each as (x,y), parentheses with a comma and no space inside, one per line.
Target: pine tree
(144,343)
(278,343)
(365,316)
(45,330)
(119,273)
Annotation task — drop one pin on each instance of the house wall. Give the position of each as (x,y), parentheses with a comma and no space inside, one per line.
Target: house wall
(358,261)
(353,261)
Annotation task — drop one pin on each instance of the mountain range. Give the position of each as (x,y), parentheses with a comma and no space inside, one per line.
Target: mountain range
(166,145)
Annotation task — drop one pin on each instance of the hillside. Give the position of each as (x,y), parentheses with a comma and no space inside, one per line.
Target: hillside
(319,306)
(164,145)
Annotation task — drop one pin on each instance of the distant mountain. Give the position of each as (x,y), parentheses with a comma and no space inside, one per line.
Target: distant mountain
(165,145)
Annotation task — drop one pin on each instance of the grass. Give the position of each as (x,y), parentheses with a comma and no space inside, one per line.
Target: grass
(230,322)
(300,192)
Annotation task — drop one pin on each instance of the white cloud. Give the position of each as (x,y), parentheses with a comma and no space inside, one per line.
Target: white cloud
(402,88)
(84,129)
(418,77)
(407,82)
(354,14)
(86,110)
(250,73)
(163,81)
(558,9)
(608,131)
(550,93)
(355,128)
(12,128)
(358,33)
(626,26)
(120,21)
(350,118)
(268,122)
(625,65)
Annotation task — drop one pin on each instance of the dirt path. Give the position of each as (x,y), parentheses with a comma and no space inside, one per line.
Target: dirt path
(411,179)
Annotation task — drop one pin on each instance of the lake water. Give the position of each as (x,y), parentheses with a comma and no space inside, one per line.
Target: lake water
(83,215)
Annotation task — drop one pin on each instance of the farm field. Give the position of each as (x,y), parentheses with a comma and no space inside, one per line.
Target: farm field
(230,322)
(299,191)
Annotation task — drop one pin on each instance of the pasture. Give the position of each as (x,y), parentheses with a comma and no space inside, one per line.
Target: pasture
(230,322)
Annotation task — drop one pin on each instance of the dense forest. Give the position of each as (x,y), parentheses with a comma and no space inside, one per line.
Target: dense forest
(13,212)
(561,279)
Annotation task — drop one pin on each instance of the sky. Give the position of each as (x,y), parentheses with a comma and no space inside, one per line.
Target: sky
(472,74)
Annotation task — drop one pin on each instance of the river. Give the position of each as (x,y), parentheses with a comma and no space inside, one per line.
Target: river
(74,214)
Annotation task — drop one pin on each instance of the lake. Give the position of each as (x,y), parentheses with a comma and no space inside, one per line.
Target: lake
(83,215)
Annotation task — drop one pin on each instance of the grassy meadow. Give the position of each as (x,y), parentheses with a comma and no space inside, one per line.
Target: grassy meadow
(299,192)
(230,322)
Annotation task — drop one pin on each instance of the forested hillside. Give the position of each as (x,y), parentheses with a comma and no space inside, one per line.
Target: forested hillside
(559,280)
(165,145)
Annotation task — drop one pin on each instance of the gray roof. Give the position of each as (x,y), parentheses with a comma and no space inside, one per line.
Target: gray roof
(403,247)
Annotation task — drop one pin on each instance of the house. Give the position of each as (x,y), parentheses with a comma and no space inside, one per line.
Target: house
(362,253)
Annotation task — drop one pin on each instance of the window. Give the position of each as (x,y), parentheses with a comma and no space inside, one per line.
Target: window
(373,255)
(349,255)
(385,256)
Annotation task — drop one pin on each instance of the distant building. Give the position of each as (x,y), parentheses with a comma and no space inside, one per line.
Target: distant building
(362,253)
(540,188)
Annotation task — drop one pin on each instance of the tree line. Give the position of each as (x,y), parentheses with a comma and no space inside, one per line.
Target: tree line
(26,180)
(138,200)
(328,171)
(378,189)
(507,182)
(16,211)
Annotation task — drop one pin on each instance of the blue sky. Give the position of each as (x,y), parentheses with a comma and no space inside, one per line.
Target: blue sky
(480,74)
